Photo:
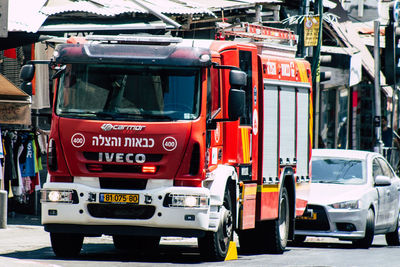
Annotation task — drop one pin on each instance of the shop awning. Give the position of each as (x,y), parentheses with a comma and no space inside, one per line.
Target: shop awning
(348,34)
(15,104)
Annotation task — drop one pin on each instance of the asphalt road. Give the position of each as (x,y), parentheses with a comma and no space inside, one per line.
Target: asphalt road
(29,245)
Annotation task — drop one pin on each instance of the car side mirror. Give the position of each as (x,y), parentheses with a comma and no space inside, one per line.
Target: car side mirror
(381,180)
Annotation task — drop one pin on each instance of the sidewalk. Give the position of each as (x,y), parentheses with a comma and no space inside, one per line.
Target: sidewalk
(22,235)
(14,218)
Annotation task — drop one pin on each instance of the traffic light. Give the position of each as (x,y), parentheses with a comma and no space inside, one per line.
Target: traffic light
(325,75)
(392,50)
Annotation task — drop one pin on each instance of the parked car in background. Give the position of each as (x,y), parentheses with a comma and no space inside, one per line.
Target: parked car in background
(354,196)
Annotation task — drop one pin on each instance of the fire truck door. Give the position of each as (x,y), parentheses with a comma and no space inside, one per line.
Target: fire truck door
(248,130)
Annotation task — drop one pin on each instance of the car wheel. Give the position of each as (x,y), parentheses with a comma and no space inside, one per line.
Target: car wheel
(393,238)
(366,241)
(66,245)
(214,245)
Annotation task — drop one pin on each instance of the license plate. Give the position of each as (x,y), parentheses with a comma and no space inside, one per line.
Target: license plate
(119,198)
(309,218)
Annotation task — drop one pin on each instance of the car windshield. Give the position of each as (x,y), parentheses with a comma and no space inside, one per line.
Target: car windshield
(337,171)
(126,92)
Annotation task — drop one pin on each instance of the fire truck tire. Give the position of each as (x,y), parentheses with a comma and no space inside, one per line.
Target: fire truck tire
(66,245)
(278,230)
(214,245)
(249,241)
(368,238)
(124,242)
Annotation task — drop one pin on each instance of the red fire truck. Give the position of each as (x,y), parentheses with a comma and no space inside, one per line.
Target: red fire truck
(164,136)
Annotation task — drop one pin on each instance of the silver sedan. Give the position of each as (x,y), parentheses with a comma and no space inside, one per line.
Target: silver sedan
(354,195)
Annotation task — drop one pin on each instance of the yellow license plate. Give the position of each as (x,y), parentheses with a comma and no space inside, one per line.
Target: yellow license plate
(119,198)
(309,218)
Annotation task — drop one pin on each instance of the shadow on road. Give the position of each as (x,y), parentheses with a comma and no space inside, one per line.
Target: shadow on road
(107,252)
(335,245)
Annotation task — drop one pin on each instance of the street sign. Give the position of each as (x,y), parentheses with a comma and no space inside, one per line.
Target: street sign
(394,12)
(311,29)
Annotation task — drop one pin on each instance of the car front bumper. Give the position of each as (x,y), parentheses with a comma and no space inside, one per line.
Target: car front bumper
(346,224)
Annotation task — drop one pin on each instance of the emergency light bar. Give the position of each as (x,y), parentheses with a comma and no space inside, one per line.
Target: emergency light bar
(127,39)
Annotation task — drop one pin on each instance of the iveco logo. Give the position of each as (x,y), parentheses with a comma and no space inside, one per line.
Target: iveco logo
(109,127)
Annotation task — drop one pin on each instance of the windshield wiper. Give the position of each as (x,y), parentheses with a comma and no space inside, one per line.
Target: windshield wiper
(144,116)
(116,115)
(326,182)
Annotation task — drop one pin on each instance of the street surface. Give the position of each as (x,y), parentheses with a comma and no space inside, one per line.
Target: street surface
(29,245)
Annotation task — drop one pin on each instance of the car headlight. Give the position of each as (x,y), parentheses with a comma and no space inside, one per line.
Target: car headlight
(353,204)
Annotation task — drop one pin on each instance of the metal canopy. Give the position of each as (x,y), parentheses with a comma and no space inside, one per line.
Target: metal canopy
(15,105)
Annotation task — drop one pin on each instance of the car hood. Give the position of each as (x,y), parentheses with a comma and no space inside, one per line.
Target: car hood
(325,194)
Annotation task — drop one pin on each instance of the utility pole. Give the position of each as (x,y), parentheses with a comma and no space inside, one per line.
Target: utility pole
(315,68)
(377,86)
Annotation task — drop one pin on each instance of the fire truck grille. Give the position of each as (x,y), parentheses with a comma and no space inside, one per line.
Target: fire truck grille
(320,223)
(123,183)
(121,211)
(115,168)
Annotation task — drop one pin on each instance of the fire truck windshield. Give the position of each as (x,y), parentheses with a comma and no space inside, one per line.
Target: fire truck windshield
(128,92)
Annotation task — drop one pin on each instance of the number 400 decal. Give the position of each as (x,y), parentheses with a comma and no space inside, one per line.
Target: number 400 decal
(169,143)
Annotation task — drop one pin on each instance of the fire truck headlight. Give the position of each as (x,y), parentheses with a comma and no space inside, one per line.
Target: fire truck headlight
(205,58)
(189,201)
(60,196)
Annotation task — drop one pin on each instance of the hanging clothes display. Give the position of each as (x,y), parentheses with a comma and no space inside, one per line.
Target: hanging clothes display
(22,164)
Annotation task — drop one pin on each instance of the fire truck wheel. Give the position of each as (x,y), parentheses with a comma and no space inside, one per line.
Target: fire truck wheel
(124,242)
(279,229)
(214,245)
(249,241)
(66,245)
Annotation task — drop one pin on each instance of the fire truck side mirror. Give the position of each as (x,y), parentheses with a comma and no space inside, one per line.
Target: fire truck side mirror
(27,72)
(236,103)
(236,98)
(26,75)
(237,78)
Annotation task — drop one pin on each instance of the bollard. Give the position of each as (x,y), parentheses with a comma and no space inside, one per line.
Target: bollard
(3,209)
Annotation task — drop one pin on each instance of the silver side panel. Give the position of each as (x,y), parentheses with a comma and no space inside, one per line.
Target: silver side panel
(302,131)
(287,135)
(270,137)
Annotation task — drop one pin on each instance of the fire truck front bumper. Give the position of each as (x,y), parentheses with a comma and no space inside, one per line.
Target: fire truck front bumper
(164,211)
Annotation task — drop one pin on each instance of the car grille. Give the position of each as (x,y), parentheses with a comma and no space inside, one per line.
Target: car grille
(121,211)
(321,223)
